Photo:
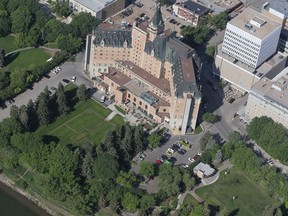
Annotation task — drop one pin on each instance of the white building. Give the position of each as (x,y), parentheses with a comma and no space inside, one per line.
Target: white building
(269,98)
(101,9)
(251,37)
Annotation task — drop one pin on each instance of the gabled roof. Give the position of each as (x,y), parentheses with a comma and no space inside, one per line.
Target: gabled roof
(112,36)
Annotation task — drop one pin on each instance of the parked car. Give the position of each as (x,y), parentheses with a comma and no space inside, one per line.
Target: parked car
(103,98)
(185,166)
(53,88)
(65,80)
(182,151)
(231,100)
(182,26)
(158,162)
(73,79)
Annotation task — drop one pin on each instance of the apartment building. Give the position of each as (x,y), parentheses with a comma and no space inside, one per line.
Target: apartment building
(101,9)
(250,39)
(190,11)
(269,97)
(146,68)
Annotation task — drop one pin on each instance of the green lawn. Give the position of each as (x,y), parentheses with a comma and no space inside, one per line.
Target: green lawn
(27,59)
(120,109)
(86,123)
(8,43)
(251,199)
(189,199)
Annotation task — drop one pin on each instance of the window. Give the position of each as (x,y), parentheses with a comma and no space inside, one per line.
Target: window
(146,107)
(140,102)
(134,99)
(129,95)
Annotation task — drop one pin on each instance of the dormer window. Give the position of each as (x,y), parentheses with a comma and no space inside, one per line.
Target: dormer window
(125,44)
(102,42)
(152,52)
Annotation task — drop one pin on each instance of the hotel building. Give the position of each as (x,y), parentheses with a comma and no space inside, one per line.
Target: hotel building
(146,68)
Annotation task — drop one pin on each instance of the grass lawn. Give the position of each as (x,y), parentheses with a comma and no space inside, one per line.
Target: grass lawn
(251,199)
(86,123)
(120,109)
(27,59)
(189,199)
(8,43)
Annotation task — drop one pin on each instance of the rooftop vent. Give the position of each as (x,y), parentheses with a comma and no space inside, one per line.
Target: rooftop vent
(258,22)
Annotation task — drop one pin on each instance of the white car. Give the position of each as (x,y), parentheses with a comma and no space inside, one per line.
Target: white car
(171,150)
(191,159)
(167,18)
(185,166)
(103,98)
(73,79)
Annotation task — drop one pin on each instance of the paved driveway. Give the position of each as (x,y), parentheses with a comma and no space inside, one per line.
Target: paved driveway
(181,159)
(69,69)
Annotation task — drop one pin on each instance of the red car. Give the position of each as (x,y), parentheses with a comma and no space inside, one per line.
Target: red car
(158,162)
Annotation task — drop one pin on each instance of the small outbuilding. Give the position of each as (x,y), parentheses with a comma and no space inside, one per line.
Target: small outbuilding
(204,170)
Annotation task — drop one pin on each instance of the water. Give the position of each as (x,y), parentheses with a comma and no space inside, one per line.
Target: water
(14,204)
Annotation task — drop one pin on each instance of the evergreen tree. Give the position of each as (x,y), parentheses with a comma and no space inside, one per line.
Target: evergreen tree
(82,93)
(61,100)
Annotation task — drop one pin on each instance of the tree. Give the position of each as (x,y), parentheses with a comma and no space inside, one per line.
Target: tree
(126,179)
(188,180)
(147,169)
(4,79)
(147,202)
(210,51)
(61,7)
(5,23)
(209,117)
(81,93)
(53,28)
(105,167)
(23,116)
(154,140)
(163,2)
(68,43)
(219,21)
(61,100)
(20,39)
(33,36)
(14,112)
(130,201)
(43,112)
(87,165)
(83,24)
(204,140)
(139,139)
(170,179)
(21,20)
(2,58)
(126,143)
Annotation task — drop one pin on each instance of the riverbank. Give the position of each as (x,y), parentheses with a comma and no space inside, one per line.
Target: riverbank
(48,207)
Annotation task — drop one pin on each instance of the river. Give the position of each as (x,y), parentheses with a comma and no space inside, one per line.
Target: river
(14,204)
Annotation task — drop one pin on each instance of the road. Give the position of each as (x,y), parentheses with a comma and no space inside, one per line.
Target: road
(216,104)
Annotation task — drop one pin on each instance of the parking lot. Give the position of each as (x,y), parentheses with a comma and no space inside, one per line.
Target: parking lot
(148,8)
(180,159)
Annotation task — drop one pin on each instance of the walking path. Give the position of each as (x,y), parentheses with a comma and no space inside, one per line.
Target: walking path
(113,113)
(181,197)
(28,48)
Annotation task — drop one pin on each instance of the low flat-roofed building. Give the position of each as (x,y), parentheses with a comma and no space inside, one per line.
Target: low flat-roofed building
(219,6)
(190,11)
(101,9)
(269,97)
(240,75)
(204,170)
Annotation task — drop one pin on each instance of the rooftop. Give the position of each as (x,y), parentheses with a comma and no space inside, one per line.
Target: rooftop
(95,5)
(194,7)
(112,35)
(135,88)
(265,69)
(205,169)
(161,83)
(254,23)
(219,6)
(275,90)
(116,76)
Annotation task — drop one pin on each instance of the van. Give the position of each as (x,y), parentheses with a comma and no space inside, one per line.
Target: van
(103,99)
